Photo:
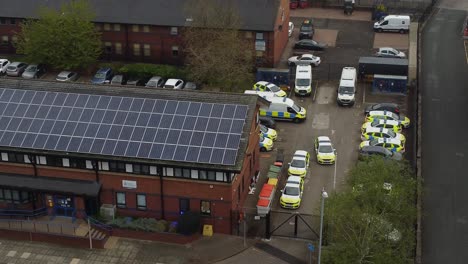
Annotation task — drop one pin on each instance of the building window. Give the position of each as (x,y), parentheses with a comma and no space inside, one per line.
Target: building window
(13,157)
(219,176)
(136,49)
(153,170)
(107,47)
(118,48)
(129,168)
(4,156)
(146,50)
(203,175)
(259,35)
(141,169)
(174,31)
(146,29)
(42,160)
(259,53)
(97,27)
(103,165)
(89,164)
(14,39)
(79,163)
(211,175)
(169,172)
(4,40)
(116,27)
(184,205)
(117,166)
(14,196)
(121,201)
(194,174)
(141,201)
(248,35)
(12,21)
(107,27)
(205,207)
(2,21)
(135,28)
(175,51)
(66,162)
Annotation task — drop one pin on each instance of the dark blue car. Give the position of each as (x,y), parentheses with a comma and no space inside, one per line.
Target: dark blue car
(103,75)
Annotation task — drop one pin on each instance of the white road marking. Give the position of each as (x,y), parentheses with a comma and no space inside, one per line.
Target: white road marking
(321,121)
(25,255)
(75,261)
(11,253)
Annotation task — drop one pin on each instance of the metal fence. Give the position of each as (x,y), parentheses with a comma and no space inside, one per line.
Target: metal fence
(40,227)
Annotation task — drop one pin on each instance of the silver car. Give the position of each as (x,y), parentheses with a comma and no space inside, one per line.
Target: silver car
(67,76)
(16,68)
(156,82)
(34,71)
(390,53)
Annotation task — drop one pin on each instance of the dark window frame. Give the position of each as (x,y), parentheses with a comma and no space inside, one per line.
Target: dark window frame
(121,205)
(184,205)
(203,210)
(141,207)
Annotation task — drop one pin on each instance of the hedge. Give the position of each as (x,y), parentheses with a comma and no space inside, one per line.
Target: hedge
(145,70)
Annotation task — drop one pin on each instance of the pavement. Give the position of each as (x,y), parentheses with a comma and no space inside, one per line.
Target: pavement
(444,142)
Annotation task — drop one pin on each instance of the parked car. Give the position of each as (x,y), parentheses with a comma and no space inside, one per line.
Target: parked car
(299,163)
(16,68)
(191,86)
(377,132)
(67,76)
(3,66)
(390,53)
(267,121)
(378,151)
(387,115)
(137,81)
(263,86)
(155,82)
(268,132)
(393,125)
(307,29)
(174,84)
(304,59)
(103,75)
(326,153)
(291,195)
(119,79)
(391,144)
(309,44)
(383,106)
(34,71)
(265,144)
(290,29)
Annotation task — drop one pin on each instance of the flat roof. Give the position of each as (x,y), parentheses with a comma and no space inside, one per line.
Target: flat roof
(144,125)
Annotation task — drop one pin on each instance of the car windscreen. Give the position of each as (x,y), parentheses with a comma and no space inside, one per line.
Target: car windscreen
(61,77)
(298,163)
(152,83)
(325,149)
(291,191)
(274,88)
(31,69)
(346,90)
(11,68)
(306,28)
(296,108)
(263,129)
(302,82)
(168,86)
(100,75)
(391,133)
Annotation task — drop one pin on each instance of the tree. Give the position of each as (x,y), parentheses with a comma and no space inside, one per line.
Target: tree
(64,39)
(373,220)
(215,52)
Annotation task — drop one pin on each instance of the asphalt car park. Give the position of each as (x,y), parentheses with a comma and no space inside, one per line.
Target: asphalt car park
(347,41)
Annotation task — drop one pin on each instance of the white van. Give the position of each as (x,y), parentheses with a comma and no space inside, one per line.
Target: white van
(347,87)
(393,23)
(283,108)
(303,83)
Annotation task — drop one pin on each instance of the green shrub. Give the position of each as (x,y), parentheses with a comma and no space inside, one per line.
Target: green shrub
(145,70)
(143,224)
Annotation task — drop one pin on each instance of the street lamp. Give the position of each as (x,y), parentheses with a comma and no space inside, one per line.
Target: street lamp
(324,196)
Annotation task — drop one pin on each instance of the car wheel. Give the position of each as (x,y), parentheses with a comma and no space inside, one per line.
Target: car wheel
(296,120)
(402,31)
(379,30)
(262,149)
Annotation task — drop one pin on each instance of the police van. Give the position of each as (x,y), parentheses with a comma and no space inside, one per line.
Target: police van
(283,108)
(303,83)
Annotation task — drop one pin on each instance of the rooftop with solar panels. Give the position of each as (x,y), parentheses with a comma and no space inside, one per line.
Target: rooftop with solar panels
(131,124)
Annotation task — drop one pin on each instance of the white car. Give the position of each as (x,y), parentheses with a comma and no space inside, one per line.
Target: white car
(290,29)
(304,59)
(390,53)
(174,84)
(3,65)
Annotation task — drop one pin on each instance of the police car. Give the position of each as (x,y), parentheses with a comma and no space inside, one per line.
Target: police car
(382,123)
(299,163)
(391,144)
(326,154)
(387,115)
(292,193)
(265,143)
(268,132)
(377,132)
(269,87)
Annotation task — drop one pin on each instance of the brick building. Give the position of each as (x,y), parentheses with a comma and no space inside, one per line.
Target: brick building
(150,30)
(68,149)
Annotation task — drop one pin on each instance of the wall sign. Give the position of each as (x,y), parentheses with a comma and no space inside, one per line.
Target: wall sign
(129,184)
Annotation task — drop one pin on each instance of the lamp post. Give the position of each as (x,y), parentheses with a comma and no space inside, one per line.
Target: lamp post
(324,196)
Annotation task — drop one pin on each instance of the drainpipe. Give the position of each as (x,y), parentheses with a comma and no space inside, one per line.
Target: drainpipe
(126,41)
(160,170)
(32,159)
(96,169)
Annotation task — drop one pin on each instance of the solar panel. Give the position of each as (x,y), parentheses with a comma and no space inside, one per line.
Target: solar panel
(121,126)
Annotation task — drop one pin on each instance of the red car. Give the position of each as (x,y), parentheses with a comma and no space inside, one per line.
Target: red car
(293,4)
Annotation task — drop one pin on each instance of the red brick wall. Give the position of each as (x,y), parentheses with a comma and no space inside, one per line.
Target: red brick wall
(281,36)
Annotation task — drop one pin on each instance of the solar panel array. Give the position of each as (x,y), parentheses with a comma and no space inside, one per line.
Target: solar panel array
(121,126)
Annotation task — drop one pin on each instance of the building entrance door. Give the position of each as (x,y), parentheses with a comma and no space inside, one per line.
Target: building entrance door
(64,205)
(91,205)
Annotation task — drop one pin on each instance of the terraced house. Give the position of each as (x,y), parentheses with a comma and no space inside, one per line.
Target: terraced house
(70,149)
(150,30)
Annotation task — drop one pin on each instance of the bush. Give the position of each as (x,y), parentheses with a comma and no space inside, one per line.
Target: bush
(145,70)
(143,224)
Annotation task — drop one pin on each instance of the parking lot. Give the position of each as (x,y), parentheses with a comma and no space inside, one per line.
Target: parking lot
(347,40)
